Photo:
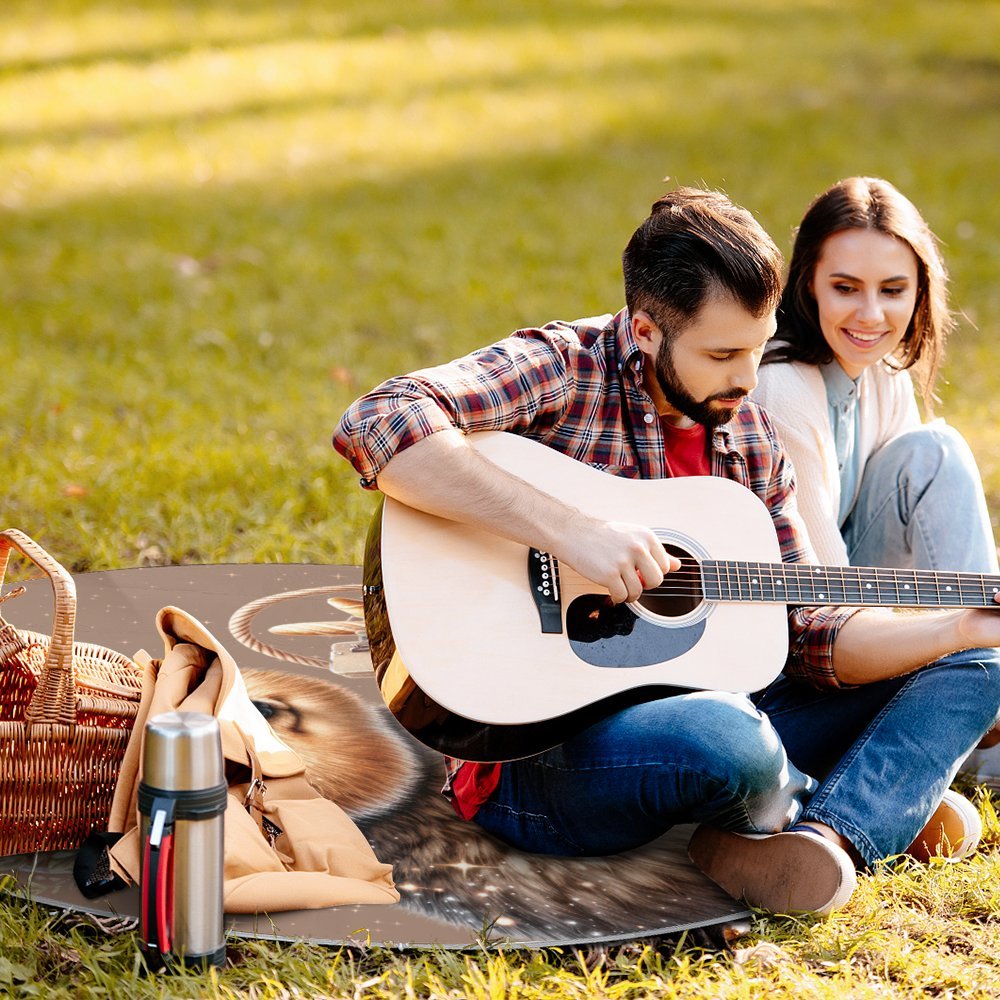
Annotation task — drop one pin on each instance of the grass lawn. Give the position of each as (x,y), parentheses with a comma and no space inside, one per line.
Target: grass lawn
(222,221)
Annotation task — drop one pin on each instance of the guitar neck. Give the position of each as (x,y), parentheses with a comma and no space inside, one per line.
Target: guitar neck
(801,583)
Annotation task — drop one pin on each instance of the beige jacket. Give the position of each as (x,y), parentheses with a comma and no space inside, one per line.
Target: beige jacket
(794,395)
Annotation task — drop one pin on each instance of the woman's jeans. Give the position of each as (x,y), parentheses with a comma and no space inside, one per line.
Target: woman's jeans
(920,505)
(872,761)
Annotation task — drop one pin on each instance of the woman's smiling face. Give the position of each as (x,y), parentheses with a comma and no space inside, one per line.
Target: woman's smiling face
(865,285)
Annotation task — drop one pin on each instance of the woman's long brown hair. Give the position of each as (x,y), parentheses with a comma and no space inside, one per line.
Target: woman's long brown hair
(866,203)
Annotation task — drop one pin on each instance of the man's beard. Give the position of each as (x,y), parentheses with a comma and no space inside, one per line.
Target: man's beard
(680,399)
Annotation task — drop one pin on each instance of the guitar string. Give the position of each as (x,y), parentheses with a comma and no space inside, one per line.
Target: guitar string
(811,571)
(834,599)
(809,583)
(688,581)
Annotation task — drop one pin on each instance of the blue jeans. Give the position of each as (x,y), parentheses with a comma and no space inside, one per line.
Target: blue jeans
(921,506)
(884,753)
(694,757)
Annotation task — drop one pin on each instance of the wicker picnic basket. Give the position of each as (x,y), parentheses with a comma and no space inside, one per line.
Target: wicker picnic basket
(66,711)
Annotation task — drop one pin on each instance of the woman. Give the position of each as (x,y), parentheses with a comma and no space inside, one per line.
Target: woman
(865,304)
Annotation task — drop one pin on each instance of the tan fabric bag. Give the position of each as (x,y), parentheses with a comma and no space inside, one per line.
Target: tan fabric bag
(286,847)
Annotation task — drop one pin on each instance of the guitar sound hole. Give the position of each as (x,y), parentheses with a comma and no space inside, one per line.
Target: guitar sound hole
(680,593)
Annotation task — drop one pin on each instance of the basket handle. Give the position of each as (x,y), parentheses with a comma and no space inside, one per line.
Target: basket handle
(54,700)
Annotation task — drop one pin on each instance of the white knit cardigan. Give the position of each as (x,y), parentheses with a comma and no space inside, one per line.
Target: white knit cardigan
(794,395)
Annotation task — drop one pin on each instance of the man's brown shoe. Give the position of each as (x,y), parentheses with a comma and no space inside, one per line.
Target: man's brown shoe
(953,831)
(789,872)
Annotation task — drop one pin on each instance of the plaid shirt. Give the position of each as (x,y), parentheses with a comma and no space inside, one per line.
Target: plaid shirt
(577,387)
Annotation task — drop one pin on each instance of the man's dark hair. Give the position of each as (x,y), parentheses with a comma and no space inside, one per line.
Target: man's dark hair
(694,244)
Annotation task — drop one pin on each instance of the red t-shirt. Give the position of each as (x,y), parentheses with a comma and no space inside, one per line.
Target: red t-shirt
(686,450)
(686,455)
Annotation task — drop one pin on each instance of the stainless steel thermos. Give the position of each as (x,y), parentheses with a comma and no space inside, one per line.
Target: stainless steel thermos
(182,800)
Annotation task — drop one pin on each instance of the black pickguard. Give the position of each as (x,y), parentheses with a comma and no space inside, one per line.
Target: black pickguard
(613,635)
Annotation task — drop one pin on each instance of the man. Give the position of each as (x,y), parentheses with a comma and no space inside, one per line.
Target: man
(853,748)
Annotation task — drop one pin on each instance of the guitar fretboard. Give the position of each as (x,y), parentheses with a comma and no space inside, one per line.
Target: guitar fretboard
(800,583)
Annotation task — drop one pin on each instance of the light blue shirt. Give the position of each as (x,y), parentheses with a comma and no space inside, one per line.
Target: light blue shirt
(842,402)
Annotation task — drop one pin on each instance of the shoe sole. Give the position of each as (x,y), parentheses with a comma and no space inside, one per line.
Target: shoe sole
(782,872)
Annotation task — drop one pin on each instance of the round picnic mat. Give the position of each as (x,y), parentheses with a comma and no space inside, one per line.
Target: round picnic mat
(297,633)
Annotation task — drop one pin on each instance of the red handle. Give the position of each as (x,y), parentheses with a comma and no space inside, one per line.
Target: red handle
(165,893)
(156,913)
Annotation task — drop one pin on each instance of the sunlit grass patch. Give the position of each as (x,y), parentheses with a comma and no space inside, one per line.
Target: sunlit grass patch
(910,930)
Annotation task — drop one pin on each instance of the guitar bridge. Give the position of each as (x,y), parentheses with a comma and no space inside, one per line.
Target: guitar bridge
(543,578)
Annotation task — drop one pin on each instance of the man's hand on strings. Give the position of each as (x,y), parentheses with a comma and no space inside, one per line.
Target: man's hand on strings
(624,558)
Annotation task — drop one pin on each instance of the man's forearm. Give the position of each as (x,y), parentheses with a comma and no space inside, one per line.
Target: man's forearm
(444,475)
(878,643)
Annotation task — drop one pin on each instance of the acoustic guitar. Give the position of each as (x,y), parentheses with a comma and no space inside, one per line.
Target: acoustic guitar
(485,649)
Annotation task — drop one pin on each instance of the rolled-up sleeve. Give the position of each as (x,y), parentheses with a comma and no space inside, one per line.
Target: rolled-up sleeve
(812,632)
(382,423)
(515,384)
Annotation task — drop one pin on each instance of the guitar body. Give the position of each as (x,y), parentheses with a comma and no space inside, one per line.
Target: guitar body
(471,662)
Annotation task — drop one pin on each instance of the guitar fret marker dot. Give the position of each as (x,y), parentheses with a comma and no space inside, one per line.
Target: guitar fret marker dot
(868,586)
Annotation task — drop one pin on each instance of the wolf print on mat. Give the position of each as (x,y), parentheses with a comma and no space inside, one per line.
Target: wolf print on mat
(389,784)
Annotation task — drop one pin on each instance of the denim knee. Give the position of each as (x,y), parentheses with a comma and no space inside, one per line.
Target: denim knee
(920,505)
(717,734)
(923,454)
(986,663)
(970,681)
(746,750)
(764,791)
